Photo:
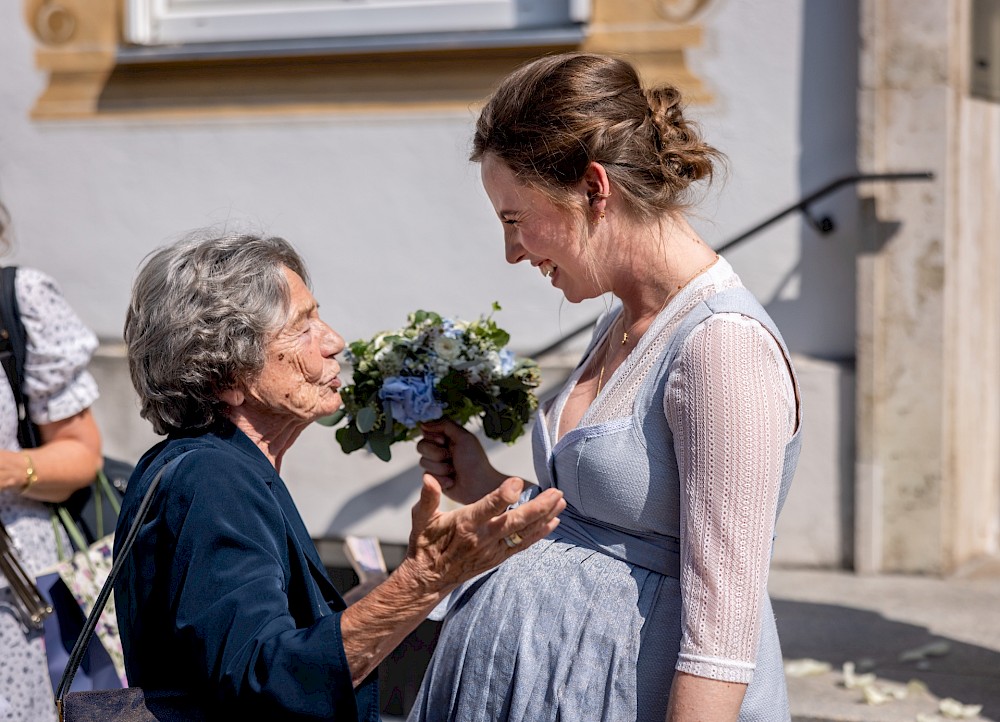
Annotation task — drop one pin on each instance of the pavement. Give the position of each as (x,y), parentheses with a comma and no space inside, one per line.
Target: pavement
(914,641)
(930,639)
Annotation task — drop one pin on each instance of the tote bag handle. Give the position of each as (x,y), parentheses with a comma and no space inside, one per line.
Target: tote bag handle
(76,656)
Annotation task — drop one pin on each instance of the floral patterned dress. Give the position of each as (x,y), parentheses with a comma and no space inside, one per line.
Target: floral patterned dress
(58,386)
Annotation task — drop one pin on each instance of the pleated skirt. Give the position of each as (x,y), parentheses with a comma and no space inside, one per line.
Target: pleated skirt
(564,633)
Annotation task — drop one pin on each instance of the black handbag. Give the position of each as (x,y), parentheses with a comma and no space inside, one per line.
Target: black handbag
(93,513)
(131,704)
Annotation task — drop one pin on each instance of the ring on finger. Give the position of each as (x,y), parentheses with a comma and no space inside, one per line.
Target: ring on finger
(513,539)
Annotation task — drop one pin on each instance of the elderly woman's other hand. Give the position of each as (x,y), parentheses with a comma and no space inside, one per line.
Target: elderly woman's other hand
(446,548)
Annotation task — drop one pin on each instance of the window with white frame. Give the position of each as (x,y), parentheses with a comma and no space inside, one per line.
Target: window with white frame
(169,22)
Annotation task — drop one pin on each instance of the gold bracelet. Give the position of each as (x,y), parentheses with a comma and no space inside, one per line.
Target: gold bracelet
(30,475)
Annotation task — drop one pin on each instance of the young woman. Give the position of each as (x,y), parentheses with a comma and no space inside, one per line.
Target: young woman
(674,440)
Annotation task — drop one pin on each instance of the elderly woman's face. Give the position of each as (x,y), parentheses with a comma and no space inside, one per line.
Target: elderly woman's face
(299,378)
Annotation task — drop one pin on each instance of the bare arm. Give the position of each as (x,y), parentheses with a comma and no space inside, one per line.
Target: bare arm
(699,699)
(67,460)
(446,548)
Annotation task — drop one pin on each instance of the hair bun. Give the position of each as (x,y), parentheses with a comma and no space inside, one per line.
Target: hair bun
(685,157)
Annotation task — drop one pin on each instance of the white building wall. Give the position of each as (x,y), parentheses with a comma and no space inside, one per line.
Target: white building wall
(390,216)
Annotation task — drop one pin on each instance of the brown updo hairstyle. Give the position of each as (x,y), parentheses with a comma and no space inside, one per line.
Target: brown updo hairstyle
(550,118)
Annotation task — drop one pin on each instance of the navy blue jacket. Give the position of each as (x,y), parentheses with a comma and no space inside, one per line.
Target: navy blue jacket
(224,596)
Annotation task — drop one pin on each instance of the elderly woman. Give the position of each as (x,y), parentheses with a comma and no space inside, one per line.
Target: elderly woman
(224,599)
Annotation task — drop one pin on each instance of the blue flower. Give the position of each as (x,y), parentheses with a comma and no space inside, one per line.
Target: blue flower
(411,399)
(449,329)
(506,362)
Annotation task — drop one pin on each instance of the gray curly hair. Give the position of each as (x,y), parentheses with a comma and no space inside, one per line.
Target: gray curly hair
(201,313)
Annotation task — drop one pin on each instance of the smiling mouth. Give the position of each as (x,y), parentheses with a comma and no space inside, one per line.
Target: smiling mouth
(547,268)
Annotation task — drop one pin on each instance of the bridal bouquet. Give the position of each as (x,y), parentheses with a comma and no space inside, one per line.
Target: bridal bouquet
(434,368)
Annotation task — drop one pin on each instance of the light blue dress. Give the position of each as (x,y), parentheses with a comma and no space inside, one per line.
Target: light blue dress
(586,624)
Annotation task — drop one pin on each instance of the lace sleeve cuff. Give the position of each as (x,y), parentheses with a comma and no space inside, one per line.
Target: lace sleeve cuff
(726,670)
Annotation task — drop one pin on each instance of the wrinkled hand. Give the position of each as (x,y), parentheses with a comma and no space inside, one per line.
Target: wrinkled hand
(451,547)
(456,459)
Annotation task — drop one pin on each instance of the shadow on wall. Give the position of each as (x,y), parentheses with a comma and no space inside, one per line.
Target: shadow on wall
(824,279)
(837,634)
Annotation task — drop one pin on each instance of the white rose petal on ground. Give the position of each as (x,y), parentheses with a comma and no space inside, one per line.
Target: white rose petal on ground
(932,649)
(864,664)
(953,709)
(856,681)
(873,695)
(917,686)
(806,667)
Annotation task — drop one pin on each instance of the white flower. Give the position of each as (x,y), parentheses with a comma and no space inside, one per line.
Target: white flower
(439,368)
(388,361)
(492,364)
(447,348)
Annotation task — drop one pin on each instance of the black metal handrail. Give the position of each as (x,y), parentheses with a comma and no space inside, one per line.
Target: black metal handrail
(823,225)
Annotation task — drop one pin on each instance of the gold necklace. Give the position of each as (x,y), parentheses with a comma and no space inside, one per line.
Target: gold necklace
(625,332)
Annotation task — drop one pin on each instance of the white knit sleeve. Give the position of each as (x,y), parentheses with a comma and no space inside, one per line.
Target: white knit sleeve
(731,405)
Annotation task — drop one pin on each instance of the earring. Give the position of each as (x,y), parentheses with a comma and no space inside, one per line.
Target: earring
(599,218)
(597,196)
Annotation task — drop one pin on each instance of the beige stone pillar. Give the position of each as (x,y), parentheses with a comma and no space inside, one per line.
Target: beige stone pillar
(928,447)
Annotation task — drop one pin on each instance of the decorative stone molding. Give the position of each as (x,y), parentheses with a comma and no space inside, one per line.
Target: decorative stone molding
(654,35)
(54,24)
(78,40)
(681,11)
(80,47)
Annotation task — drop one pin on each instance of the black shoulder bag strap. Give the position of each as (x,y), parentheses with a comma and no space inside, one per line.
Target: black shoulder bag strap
(13,349)
(80,647)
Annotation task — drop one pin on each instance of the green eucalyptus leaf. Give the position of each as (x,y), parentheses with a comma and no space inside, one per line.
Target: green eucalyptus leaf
(333,419)
(350,439)
(380,447)
(366,419)
(492,426)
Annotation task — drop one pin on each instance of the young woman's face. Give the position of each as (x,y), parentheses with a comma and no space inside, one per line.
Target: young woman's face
(538,231)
